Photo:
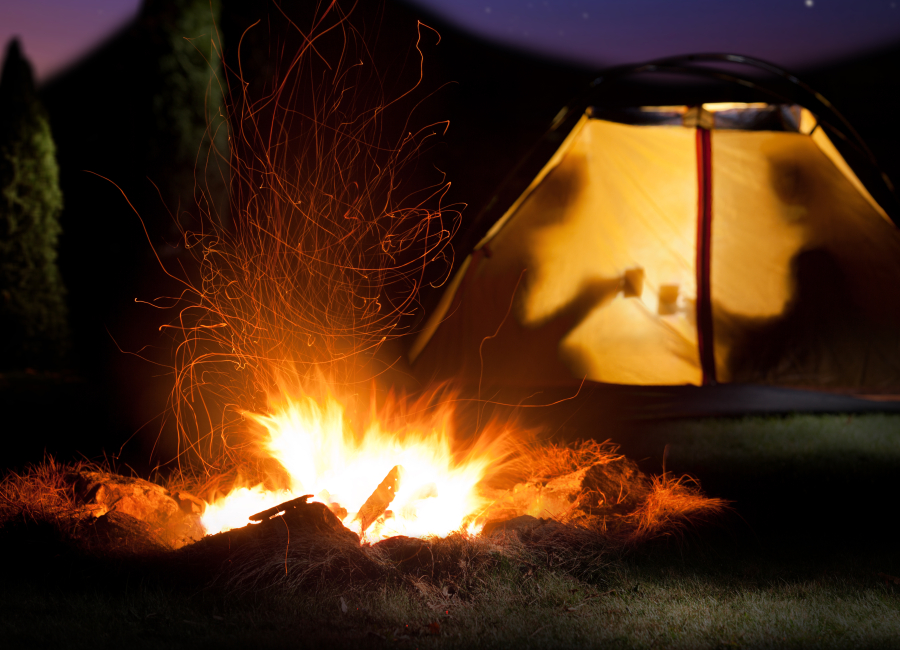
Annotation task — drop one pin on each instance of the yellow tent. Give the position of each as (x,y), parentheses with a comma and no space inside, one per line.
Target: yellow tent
(680,245)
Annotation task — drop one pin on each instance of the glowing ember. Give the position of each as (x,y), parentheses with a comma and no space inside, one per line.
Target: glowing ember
(380,483)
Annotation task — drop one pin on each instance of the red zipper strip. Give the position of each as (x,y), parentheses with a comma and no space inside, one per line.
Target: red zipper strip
(704,246)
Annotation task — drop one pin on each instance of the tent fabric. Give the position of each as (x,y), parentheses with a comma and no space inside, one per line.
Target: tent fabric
(593,272)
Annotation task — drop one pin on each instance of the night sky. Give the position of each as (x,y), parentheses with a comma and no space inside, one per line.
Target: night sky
(793,33)
(797,34)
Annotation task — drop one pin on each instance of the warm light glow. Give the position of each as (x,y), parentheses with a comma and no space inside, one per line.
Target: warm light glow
(319,274)
(717,107)
(437,488)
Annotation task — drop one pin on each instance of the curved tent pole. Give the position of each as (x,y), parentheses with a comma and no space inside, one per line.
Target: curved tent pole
(676,65)
(569,114)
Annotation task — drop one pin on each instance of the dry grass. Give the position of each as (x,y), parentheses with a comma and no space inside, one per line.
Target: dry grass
(41,492)
(591,486)
(289,556)
(455,565)
(672,503)
(549,461)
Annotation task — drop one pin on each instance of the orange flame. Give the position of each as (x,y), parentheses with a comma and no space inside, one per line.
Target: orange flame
(436,490)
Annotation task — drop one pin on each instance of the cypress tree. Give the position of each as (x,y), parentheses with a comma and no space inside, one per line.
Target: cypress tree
(33,321)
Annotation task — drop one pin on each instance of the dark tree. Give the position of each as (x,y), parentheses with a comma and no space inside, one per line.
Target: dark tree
(33,322)
(190,147)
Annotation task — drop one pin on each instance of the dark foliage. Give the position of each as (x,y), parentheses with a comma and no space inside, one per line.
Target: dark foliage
(33,326)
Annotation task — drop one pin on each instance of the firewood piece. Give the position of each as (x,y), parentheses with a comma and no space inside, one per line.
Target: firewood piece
(314,518)
(297,514)
(380,499)
(281,507)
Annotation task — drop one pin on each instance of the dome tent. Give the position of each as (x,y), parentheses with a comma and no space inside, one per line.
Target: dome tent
(716,242)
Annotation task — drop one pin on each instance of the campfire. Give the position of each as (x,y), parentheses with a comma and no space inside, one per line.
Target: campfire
(416,481)
(408,479)
(286,327)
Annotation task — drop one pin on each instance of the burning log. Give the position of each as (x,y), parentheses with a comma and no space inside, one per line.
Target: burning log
(293,504)
(380,500)
(315,518)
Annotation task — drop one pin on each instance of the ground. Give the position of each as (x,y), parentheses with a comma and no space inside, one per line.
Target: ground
(806,558)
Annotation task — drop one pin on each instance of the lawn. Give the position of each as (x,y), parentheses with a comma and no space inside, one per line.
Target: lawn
(806,558)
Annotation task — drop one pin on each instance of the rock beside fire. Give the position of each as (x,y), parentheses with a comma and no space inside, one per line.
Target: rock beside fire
(612,487)
(117,533)
(520,525)
(140,507)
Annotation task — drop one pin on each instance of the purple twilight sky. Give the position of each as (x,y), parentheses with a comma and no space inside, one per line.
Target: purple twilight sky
(794,33)
(55,33)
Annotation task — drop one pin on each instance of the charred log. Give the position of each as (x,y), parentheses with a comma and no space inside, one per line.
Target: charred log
(293,504)
(299,515)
